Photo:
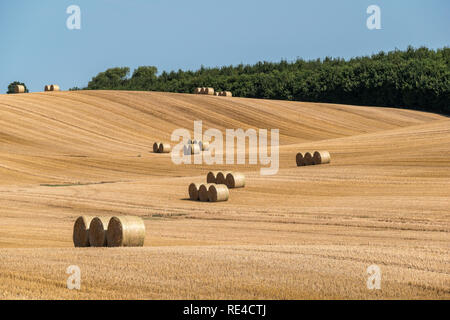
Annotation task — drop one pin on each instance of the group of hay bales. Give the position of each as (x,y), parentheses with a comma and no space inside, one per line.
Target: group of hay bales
(224,94)
(51,87)
(195,147)
(217,186)
(204,90)
(312,158)
(161,147)
(120,231)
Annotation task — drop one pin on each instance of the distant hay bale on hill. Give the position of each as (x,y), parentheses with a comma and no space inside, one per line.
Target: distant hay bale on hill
(308,158)
(321,157)
(81,231)
(227,94)
(19,88)
(97,231)
(218,193)
(221,177)
(125,231)
(164,148)
(300,159)
(193,149)
(204,146)
(211,176)
(209,91)
(198,90)
(203,191)
(47,87)
(156,147)
(194,191)
(54,87)
(235,180)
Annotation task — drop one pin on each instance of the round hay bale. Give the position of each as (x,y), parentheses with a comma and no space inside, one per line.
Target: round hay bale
(204,146)
(47,87)
(209,91)
(308,158)
(321,157)
(97,231)
(221,177)
(216,93)
(211,176)
(81,231)
(203,191)
(125,231)
(235,180)
(227,94)
(218,193)
(197,90)
(156,147)
(19,88)
(194,191)
(194,149)
(300,159)
(54,87)
(203,90)
(164,148)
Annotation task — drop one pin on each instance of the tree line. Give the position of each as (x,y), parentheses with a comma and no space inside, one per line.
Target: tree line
(415,78)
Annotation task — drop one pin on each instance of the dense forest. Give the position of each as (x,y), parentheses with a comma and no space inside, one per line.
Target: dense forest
(413,78)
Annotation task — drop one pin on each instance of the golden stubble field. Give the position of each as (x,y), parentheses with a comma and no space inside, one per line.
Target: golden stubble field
(307,232)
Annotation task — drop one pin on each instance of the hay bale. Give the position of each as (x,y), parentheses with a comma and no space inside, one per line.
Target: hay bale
(218,193)
(156,147)
(321,157)
(19,88)
(300,159)
(194,191)
(54,87)
(202,90)
(209,91)
(211,176)
(308,158)
(204,146)
(203,191)
(216,93)
(235,180)
(81,231)
(194,149)
(186,150)
(198,90)
(227,94)
(221,177)
(47,87)
(97,231)
(164,148)
(125,231)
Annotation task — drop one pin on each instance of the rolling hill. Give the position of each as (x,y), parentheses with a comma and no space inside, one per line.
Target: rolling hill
(307,232)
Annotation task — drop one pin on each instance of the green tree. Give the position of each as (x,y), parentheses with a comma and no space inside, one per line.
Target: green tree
(111,79)
(143,78)
(12,86)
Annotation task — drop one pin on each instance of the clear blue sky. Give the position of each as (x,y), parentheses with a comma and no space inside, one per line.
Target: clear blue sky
(37,48)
